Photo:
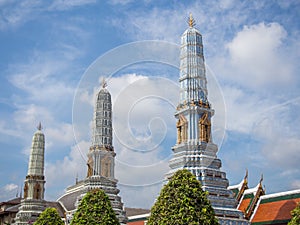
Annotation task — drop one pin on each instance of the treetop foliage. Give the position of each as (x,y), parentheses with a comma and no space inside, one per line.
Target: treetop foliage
(182,201)
(95,208)
(49,216)
(295,216)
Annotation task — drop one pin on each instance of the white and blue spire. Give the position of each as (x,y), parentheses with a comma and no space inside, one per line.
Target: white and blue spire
(192,68)
(194,149)
(102,124)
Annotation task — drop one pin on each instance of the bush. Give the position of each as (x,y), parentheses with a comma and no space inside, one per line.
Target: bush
(95,208)
(182,201)
(49,216)
(295,216)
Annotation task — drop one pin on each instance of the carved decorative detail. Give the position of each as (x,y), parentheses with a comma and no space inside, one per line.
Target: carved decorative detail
(182,127)
(25,190)
(106,166)
(90,164)
(35,177)
(205,128)
(37,191)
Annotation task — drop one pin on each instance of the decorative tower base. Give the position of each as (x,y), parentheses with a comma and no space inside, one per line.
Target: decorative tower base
(29,211)
(109,186)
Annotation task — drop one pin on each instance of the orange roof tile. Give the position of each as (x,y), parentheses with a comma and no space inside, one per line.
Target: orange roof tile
(245,204)
(142,222)
(274,210)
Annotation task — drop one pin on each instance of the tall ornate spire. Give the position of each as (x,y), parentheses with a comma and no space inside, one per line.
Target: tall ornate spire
(102,124)
(101,156)
(36,159)
(193,83)
(195,149)
(100,162)
(33,203)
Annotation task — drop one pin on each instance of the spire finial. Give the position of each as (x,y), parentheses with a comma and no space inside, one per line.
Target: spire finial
(191,21)
(39,127)
(104,84)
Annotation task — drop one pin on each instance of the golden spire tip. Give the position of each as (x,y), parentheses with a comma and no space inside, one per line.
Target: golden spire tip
(191,21)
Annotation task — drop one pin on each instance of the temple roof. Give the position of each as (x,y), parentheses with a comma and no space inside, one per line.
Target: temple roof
(136,211)
(68,200)
(281,204)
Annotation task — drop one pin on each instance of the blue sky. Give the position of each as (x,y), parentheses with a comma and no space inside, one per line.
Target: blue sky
(54,53)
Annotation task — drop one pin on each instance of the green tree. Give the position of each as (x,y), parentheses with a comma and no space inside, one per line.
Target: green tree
(295,216)
(49,216)
(95,208)
(182,201)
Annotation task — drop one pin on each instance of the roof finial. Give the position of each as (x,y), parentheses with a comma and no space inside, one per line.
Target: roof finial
(39,127)
(261,178)
(191,21)
(104,84)
(246,176)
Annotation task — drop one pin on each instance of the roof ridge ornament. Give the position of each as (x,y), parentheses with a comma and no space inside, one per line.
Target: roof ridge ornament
(261,178)
(191,21)
(246,176)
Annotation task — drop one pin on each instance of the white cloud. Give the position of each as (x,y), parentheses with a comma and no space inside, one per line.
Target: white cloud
(239,105)
(144,196)
(278,130)
(39,78)
(8,191)
(62,173)
(10,187)
(121,2)
(43,95)
(256,55)
(60,135)
(16,13)
(69,4)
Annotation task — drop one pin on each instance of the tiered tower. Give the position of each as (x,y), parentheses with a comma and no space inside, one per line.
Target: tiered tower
(33,203)
(101,156)
(195,149)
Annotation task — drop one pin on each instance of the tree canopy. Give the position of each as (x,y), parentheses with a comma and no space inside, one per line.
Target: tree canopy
(49,216)
(95,208)
(182,201)
(295,216)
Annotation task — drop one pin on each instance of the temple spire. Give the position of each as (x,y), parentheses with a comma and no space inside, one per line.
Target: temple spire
(194,149)
(34,186)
